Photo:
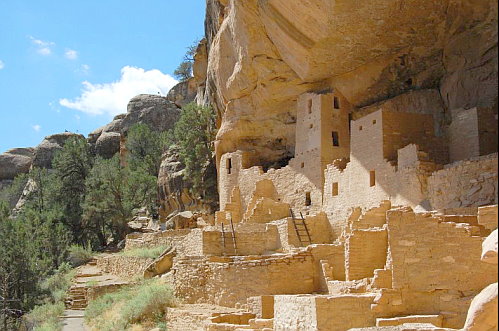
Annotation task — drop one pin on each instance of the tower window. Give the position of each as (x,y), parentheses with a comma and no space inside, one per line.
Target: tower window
(336,103)
(310,104)
(372,178)
(360,128)
(311,126)
(336,139)
(335,189)
(303,164)
(308,199)
(374,122)
(229,166)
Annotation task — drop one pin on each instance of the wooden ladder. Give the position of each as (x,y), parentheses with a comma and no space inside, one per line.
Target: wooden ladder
(233,237)
(301,229)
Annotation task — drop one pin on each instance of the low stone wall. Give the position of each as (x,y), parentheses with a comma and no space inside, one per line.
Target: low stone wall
(123,266)
(470,183)
(230,282)
(325,313)
(147,240)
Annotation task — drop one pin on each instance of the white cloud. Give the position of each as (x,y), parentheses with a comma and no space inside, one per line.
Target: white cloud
(43,47)
(112,98)
(84,69)
(71,54)
(37,127)
(2,65)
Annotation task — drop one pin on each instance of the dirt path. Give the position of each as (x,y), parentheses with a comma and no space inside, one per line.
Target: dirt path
(73,321)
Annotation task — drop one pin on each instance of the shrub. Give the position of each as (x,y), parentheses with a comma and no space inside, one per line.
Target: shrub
(58,284)
(79,255)
(46,317)
(144,302)
(150,253)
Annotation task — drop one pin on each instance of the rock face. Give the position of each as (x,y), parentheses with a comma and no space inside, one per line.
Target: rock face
(108,144)
(157,112)
(45,152)
(172,193)
(262,56)
(183,93)
(14,162)
(482,315)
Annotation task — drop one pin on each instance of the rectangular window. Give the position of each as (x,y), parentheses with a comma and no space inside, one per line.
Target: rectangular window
(336,103)
(310,104)
(372,178)
(336,139)
(229,166)
(308,199)
(335,189)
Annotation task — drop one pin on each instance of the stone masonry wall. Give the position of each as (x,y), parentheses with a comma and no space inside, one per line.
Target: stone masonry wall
(470,183)
(228,282)
(123,266)
(436,267)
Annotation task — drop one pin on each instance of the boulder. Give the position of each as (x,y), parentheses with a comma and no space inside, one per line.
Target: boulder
(482,315)
(14,162)
(45,152)
(161,265)
(184,220)
(183,93)
(489,249)
(156,111)
(108,144)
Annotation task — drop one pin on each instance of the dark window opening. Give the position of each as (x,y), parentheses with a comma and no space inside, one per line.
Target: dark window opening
(409,82)
(335,189)
(308,199)
(310,103)
(336,139)
(360,128)
(303,164)
(374,122)
(336,103)
(229,166)
(372,178)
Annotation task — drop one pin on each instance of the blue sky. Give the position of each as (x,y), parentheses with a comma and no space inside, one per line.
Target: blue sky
(73,65)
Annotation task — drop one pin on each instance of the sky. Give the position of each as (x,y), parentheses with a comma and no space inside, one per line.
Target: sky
(74,64)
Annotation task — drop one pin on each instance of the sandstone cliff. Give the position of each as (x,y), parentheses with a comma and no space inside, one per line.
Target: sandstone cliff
(262,55)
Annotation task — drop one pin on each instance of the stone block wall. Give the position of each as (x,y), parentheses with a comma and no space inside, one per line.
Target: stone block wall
(365,251)
(124,266)
(165,238)
(435,265)
(324,313)
(229,282)
(469,183)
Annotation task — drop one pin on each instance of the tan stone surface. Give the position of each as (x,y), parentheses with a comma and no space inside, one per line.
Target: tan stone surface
(483,311)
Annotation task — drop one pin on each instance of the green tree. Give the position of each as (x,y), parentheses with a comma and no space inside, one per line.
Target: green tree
(194,134)
(72,166)
(184,69)
(113,193)
(145,148)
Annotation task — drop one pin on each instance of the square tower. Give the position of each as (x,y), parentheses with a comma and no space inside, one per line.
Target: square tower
(322,133)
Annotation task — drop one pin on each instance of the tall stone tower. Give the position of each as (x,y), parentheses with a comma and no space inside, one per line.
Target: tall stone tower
(322,133)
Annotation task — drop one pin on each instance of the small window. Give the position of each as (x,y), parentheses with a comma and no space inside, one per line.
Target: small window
(336,139)
(310,104)
(311,126)
(229,166)
(374,122)
(360,128)
(336,103)
(335,189)
(372,178)
(308,199)
(303,165)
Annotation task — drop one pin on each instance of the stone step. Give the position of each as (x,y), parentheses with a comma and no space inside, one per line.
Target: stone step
(435,320)
(260,323)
